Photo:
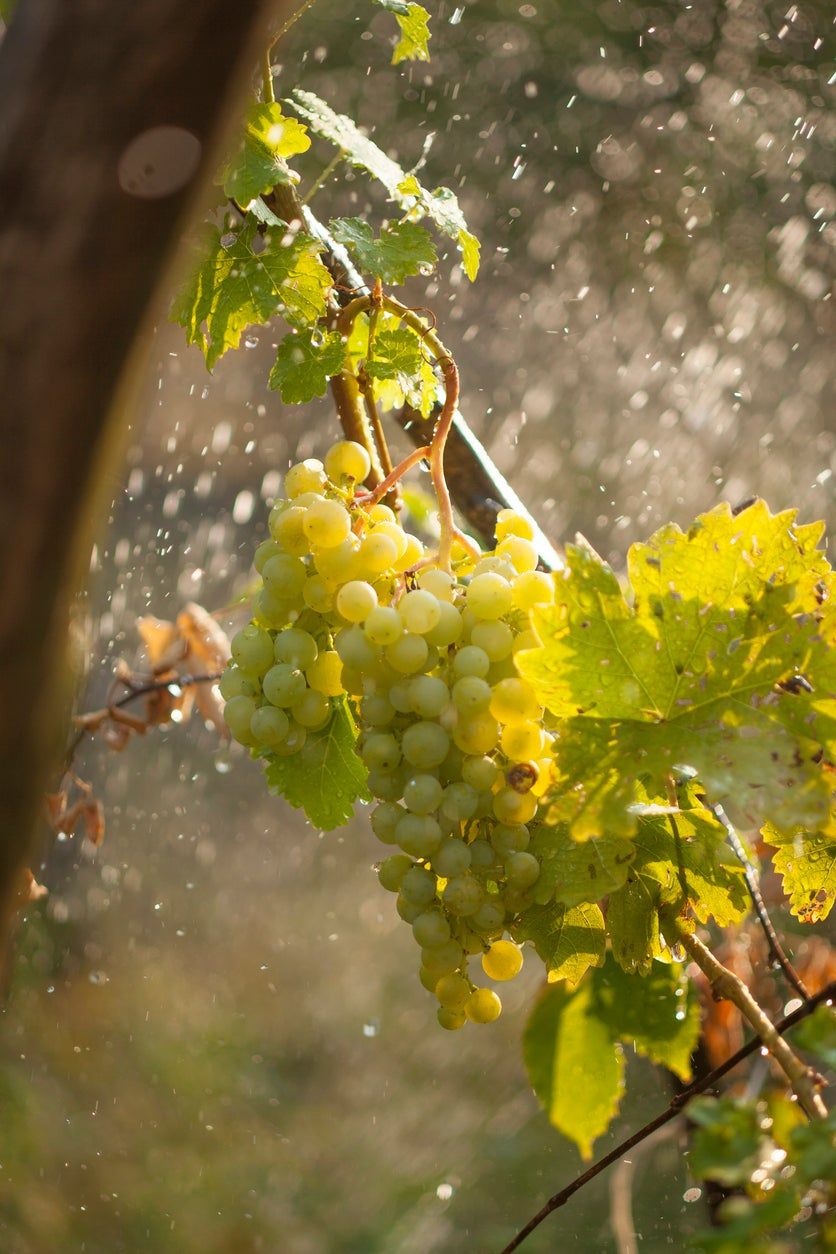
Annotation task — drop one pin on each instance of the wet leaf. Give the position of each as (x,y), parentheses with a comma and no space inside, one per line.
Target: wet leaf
(569,940)
(728,1144)
(260,162)
(400,250)
(304,365)
(326,777)
(657,1014)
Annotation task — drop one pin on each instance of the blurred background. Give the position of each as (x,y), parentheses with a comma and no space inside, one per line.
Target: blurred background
(213,1038)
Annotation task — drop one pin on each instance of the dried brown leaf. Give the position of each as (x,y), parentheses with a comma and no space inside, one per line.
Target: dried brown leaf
(206,639)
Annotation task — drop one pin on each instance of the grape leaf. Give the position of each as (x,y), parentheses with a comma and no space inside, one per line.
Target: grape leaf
(260,162)
(401,250)
(818,1035)
(728,1144)
(575,1067)
(234,285)
(440,205)
(655,1013)
(396,355)
(415,35)
(326,777)
(569,940)
(681,677)
(303,365)
(813,1150)
(573,871)
(806,863)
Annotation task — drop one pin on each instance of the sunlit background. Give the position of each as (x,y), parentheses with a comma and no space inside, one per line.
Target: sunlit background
(214,1039)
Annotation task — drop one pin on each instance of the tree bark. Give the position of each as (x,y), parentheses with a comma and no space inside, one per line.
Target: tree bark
(112,117)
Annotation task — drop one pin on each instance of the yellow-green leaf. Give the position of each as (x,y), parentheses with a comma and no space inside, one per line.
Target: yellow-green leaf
(658,1013)
(260,162)
(304,364)
(326,777)
(569,940)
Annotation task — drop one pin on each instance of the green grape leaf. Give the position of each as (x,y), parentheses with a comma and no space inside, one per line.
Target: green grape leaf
(747,1227)
(806,863)
(441,205)
(728,1144)
(396,355)
(568,940)
(304,365)
(573,871)
(699,870)
(656,1013)
(817,1035)
(813,1150)
(244,278)
(260,162)
(402,249)
(573,1064)
(415,35)
(701,669)
(326,777)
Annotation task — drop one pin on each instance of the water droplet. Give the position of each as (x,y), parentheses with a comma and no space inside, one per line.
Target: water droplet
(444,1192)
(692,1195)
(371,1028)
(98,977)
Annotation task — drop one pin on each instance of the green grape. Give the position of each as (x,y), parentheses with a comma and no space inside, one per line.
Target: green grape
(471,660)
(420,611)
(376,711)
(306,476)
(522,870)
(489,596)
(238,713)
(270,726)
(472,942)
(489,917)
(273,609)
(495,639)
(422,794)
(521,553)
(443,958)
(460,801)
(408,910)
(340,562)
(533,588)
(252,649)
(493,564)
(503,960)
(419,886)
(325,674)
(453,858)
(296,647)
(326,523)
(383,625)
(285,575)
(312,710)
(412,554)
(429,695)
(387,787)
(382,513)
(418,835)
(431,929)
(482,855)
(510,806)
(471,694)
(283,684)
(347,460)
(481,773)
(451,1020)
(288,530)
(450,770)
(428,978)
(378,553)
(388,527)
(510,523)
(356,600)
(408,654)
(453,991)
(463,895)
(449,628)
(318,594)
(400,696)
(514,702)
(521,741)
(425,745)
(393,871)
(477,734)
(483,1006)
(234,683)
(508,838)
(381,752)
(384,820)
(354,649)
(437,582)
(293,742)
(266,550)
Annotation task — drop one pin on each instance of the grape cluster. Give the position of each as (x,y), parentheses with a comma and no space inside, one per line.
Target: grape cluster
(454,742)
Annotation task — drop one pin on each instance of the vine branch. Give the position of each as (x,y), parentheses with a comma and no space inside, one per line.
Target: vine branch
(708,1081)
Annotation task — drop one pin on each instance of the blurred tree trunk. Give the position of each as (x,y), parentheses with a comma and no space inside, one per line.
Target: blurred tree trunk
(112,113)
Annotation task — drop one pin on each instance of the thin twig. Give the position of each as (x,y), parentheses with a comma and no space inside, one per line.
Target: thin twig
(267,79)
(291,21)
(681,1100)
(777,954)
(727,986)
(325,173)
(621,1194)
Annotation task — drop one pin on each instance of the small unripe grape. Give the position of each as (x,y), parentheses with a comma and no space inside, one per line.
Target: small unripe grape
(452,858)
(418,835)
(488,918)
(285,575)
(443,958)
(471,694)
(306,476)
(356,600)
(393,871)
(522,870)
(451,1020)
(295,646)
(477,734)
(266,550)
(408,654)
(420,611)
(510,806)
(503,960)
(383,625)
(283,684)
(347,460)
(238,713)
(395,533)
(381,752)
(288,530)
(429,694)
(325,674)
(312,710)
(382,513)
(425,745)
(471,661)
(514,702)
(419,886)
(270,725)
(482,855)
(438,582)
(521,741)
(483,1006)
(535,587)
(376,710)
(354,649)
(378,553)
(340,563)
(481,773)
(234,683)
(463,895)
(389,787)
(408,910)
(326,523)
(496,639)
(510,523)
(252,649)
(412,554)
(293,742)
(318,594)
(429,979)
(431,929)
(521,553)
(422,794)
(489,596)
(508,838)
(453,991)
(273,609)
(460,801)
(384,820)
(400,697)
(449,628)
(492,564)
